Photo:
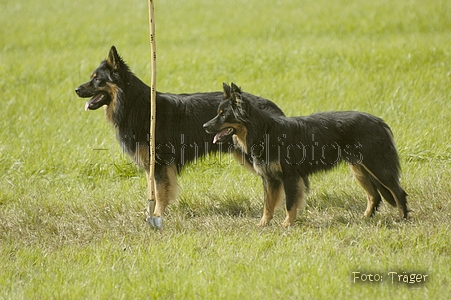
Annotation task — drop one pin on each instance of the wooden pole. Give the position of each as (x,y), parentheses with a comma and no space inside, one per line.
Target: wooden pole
(153,221)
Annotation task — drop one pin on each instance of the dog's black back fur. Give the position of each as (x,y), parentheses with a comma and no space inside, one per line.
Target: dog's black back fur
(286,151)
(179,137)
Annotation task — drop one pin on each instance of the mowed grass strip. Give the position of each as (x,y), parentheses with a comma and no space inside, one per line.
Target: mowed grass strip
(71,204)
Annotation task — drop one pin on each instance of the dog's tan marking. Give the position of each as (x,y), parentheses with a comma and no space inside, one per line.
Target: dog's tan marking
(273,169)
(273,188)
(141,157)
(373,197)
(166,187)
(113,90)
(239,138)
(167,190)
(273,197)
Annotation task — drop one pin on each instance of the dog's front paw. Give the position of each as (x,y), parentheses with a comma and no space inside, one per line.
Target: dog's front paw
(287,222)
(264,221)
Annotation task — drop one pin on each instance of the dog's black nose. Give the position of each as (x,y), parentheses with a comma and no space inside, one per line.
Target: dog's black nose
(207,127)
(77,90)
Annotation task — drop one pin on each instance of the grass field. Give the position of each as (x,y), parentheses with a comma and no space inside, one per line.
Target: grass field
(71,216)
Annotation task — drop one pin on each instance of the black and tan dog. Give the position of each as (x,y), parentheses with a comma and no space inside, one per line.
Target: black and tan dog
(285,151)
(179,137)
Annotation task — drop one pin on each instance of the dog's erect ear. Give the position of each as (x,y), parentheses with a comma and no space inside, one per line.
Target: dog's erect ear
(235,88)
(235,95)
(114,60)
(226,89)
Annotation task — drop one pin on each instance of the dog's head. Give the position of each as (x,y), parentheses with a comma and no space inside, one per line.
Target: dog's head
(230,116)
(105,82)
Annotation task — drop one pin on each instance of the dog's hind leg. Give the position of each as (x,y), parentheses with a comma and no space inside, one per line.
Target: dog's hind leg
(165,183)
(364,179)
(294,190)
(390,182)
(384,192)
(166,187)
(273,194)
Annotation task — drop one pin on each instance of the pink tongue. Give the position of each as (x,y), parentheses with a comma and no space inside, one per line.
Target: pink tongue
(220,134)
(93,100)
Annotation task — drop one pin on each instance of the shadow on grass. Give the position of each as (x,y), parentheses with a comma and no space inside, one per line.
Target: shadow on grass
(322,211)
(230,205)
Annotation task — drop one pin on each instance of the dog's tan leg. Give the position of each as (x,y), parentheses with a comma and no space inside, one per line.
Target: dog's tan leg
(295,191)
(373,196)
(273,195)
(166,189)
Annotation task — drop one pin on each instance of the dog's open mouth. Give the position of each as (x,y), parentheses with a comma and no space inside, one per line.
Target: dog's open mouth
(223,134)
(96,101)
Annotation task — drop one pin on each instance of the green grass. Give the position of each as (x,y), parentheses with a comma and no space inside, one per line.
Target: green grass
(71,217)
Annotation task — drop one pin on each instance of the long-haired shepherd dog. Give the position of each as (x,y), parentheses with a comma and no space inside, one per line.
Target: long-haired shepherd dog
(285,151)
(179,137)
